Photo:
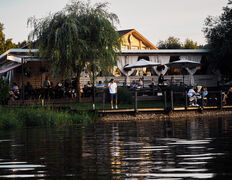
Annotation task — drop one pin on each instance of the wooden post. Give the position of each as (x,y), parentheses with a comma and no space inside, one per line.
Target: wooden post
(202,101)
(136,99)
(221,105)
(165,100)
(172,106)
(22,92)
(103,99)
(93,87)
(186,100)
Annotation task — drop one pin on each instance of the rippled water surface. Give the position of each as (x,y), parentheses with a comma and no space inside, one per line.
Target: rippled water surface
(166,150)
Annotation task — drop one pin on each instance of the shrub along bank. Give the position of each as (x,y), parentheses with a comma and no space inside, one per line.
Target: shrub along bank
(28,117)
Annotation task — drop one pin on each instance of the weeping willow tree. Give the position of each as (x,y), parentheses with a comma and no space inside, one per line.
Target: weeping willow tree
(81,35)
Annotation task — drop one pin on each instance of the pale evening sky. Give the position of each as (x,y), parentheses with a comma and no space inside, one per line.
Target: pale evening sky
(154,19)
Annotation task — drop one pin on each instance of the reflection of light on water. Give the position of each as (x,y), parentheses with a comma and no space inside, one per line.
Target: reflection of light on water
(152,161)
(22,169)
(183,170)
(21,166)
(174,175)
(192,163)
(116,152)
(5,140)
(195,147)
(2,163)
(189,142)
(22,176)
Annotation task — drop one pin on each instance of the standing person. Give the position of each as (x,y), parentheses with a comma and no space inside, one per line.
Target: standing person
(47,83)
(113,93)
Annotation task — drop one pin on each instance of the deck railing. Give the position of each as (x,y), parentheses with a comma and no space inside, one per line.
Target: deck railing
(168,101)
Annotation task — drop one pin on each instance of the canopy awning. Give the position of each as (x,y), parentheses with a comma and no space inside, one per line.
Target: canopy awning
(8,66)
(141,63)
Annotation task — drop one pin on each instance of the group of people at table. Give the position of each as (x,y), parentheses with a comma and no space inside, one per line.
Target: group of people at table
(200,94)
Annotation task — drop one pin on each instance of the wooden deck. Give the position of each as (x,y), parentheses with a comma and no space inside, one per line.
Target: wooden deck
(162,110)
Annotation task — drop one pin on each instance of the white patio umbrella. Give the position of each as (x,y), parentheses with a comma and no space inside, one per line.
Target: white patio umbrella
(188,65)
(141,63)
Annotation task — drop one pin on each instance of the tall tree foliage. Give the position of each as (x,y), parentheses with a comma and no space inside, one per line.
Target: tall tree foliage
(218,31)
(81,35)
(175,43)
(190,44)
(5,44)
(170,43)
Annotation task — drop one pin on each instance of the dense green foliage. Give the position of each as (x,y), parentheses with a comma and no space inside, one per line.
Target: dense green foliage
(81,35)
(170,43)
(218,31)
(27,117)
(190,44)
(4,91)
(175,43)
(5,44)
(124,96)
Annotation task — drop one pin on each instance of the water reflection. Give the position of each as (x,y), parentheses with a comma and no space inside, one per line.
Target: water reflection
(180,149)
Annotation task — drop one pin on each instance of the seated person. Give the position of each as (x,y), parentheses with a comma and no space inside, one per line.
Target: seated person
(227,99)
(100,84)
(15,90)
(148,73)
(192,97)
(88,84)
(15,87)
(13,96)
(153,84)
(140,83)
(172,81)
(199,90)
(204,95)
(59,92)
(204,92)
(134,85)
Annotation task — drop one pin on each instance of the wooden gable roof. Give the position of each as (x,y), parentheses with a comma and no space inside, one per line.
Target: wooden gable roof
(130,35)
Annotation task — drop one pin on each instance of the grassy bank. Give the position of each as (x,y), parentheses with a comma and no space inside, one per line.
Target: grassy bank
(28,117)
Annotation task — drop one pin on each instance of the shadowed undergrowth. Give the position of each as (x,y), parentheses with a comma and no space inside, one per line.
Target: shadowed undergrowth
(28,117)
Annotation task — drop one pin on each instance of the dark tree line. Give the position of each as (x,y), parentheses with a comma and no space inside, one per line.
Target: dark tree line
(218,31)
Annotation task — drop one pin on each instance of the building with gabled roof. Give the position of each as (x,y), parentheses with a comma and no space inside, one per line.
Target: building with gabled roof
(134,47)
(132,39)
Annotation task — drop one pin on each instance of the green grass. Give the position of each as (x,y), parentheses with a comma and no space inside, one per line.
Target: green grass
(28,117)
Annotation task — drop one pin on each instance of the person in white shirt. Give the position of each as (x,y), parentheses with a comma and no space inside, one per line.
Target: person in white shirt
(113,93)
(192,97)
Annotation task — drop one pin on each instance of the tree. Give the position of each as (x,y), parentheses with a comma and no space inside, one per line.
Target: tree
(2,39)
(218,31)
(170,43)
(190,44)
(81,35)
(5,44)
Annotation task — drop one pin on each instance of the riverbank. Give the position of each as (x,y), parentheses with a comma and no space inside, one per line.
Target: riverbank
(29,117)
(175,115)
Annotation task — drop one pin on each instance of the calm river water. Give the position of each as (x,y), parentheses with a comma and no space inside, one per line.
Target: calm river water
(166,150)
